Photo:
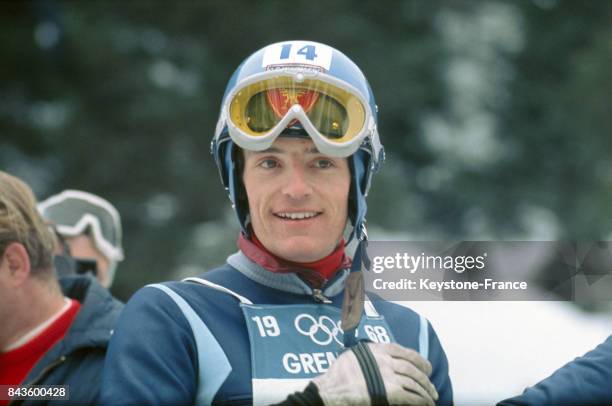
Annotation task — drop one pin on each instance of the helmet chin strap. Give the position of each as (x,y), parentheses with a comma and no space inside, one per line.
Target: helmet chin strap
(354,290)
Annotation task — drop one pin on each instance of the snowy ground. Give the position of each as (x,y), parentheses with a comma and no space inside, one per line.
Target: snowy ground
(496,349)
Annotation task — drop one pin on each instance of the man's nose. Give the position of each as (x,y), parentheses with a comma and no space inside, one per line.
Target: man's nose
(298,184)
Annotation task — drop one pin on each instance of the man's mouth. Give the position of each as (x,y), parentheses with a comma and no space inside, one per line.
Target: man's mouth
(297,215)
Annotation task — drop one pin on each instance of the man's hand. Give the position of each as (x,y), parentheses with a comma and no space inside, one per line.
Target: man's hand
(404,372)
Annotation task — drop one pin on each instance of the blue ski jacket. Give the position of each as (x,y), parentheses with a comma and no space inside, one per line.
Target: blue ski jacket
(182,343)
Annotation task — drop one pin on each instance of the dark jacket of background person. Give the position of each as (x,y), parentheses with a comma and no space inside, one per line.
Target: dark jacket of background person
(586,381)
(77,359)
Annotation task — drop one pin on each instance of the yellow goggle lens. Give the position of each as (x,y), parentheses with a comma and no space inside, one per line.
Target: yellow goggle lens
(337,114)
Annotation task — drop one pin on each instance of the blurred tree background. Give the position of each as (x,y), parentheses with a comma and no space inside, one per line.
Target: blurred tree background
(495,114)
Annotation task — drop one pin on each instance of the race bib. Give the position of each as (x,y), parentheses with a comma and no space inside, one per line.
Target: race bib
(292,344)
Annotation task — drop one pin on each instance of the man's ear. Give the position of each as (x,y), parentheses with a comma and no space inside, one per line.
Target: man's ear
(17,263)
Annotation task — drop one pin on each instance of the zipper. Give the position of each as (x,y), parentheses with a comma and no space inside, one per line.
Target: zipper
(47,369)
(318,295)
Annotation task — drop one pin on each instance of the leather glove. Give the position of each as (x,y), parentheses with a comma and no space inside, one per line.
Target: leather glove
(403,371)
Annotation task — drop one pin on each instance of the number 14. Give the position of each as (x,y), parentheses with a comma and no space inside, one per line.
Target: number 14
(308,51)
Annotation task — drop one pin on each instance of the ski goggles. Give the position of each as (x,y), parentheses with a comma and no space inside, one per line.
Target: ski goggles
(333,113)
(73,213)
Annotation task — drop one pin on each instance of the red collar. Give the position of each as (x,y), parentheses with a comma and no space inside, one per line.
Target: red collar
(314,273)
(17,363)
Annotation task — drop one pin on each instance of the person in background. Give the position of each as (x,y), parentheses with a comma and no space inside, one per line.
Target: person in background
(587,380)
(297,145)
(54,332)
(89,234)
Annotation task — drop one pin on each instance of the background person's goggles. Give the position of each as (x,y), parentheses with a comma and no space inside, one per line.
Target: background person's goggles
(334,115)
(73,213)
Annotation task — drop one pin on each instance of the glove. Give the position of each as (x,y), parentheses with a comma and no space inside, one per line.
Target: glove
(403,371)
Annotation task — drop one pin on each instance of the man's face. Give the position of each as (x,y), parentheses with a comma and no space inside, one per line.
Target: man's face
(82,246)
(298,199)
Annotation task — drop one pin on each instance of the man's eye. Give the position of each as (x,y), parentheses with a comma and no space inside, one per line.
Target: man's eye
(268,164)
(324,163)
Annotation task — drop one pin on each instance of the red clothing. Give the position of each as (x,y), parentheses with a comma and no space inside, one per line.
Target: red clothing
(17,363)
(314,273)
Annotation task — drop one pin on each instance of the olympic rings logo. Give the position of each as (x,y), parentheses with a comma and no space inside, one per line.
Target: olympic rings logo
(322,331)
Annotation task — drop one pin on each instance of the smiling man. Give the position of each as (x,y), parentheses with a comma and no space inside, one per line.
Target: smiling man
(298,199)
(286,319)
